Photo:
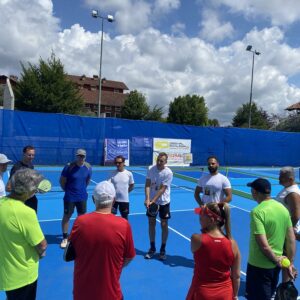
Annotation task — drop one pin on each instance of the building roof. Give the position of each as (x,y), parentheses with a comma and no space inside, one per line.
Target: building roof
(295,106)
(13,79)
(108,98)
(94,81)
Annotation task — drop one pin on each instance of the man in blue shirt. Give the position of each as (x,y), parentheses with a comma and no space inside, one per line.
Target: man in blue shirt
(74,180)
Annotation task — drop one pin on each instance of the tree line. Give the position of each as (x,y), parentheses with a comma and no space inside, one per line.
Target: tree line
(44,87)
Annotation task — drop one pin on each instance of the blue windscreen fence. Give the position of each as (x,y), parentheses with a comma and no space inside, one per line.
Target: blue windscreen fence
(57,136)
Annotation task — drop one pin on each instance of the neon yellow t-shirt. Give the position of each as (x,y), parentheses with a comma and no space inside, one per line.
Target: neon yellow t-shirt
(272,219)
(19,233)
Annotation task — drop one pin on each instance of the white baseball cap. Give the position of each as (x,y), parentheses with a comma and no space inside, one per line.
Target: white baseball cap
(4,159)
(104,191)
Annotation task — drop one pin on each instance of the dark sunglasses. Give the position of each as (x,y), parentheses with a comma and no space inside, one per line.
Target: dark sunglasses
(161,160)
(118,162)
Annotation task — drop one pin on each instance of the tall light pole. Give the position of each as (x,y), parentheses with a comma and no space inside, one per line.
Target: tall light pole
(254,52)
(109,18)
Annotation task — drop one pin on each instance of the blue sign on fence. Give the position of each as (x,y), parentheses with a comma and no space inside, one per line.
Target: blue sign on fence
(115,147)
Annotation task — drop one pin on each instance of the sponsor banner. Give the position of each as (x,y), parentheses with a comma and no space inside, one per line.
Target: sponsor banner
(178,150)
(115,147)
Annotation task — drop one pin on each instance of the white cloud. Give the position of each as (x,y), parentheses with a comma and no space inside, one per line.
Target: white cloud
(159,65)
(27,31)
(280,12)
(212,29)
(131,16)
(178,28)
(166,5)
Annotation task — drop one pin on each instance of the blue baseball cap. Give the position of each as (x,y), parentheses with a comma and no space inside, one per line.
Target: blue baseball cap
(261,185)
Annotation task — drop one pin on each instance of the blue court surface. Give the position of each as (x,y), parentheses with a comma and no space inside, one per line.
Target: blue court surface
(148,279)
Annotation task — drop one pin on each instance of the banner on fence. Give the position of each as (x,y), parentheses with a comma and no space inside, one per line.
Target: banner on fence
(115,147)
(178,150)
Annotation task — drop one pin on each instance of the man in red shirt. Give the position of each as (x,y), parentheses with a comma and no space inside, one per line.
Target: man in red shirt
(103,245)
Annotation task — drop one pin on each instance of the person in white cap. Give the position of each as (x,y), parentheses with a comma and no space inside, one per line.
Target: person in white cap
(74,179)
(3,167)
(103,245)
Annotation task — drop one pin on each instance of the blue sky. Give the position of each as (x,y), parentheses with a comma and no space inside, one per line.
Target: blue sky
(166,48)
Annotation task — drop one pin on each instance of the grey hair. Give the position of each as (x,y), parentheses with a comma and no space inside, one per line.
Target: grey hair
(288,172)
(25,181)
(104,201)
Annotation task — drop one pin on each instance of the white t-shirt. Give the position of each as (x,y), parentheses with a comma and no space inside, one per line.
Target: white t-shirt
(2,186)
(283,193)
(159,178)
(121,182)
(213,187)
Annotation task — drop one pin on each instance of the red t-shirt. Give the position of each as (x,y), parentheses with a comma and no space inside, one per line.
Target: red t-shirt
(213,261)
(101,242)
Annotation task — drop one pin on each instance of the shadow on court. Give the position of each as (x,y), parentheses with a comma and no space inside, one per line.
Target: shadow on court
(172,260)
(53,238)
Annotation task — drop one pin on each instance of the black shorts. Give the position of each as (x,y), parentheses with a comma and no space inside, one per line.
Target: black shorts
(27,292)
(69,207)
(261,283)
(123,208)
(164,212)
(32,202)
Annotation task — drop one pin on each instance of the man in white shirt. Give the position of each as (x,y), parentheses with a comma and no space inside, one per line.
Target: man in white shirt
(3,167)
(289,196)
(123,182)
(214,186)
(157,191)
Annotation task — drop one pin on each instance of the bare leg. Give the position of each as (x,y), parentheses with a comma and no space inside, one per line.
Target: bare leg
(65,223)
(152,225)
(164,231)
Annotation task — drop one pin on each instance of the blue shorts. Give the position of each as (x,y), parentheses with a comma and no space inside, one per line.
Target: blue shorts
(261,283)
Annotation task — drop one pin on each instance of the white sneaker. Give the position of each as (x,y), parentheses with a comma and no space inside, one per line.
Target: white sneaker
(63,243)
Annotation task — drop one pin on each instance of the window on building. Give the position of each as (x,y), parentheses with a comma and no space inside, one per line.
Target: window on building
(117,91)
(118,115)
(117,108)
(108,115)
(107,107)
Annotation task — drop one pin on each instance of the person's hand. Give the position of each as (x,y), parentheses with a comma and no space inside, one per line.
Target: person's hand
(292,272)
(147,203)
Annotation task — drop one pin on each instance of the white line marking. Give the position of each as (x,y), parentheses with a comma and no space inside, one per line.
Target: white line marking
(176,231)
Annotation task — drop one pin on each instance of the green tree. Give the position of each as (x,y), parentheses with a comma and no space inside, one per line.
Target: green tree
(291,123)
(213,122)
(135,106)
(259,118)
(156,114)
(189,110)
(45,88)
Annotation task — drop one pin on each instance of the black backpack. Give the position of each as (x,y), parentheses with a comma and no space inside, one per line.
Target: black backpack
(286,291)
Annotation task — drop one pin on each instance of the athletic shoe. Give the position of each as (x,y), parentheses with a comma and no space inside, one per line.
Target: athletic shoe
(150,254)
(162,255)
(63,243)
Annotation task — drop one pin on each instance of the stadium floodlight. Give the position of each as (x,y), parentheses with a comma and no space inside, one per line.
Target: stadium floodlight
(254,52)
(110,19)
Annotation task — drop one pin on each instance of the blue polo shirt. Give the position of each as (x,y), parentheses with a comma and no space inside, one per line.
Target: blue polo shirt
(76,183)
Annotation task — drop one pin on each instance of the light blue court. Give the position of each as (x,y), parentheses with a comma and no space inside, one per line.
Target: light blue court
(146,279)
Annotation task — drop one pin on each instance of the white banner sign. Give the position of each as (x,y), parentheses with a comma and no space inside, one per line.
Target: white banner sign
(178,150)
